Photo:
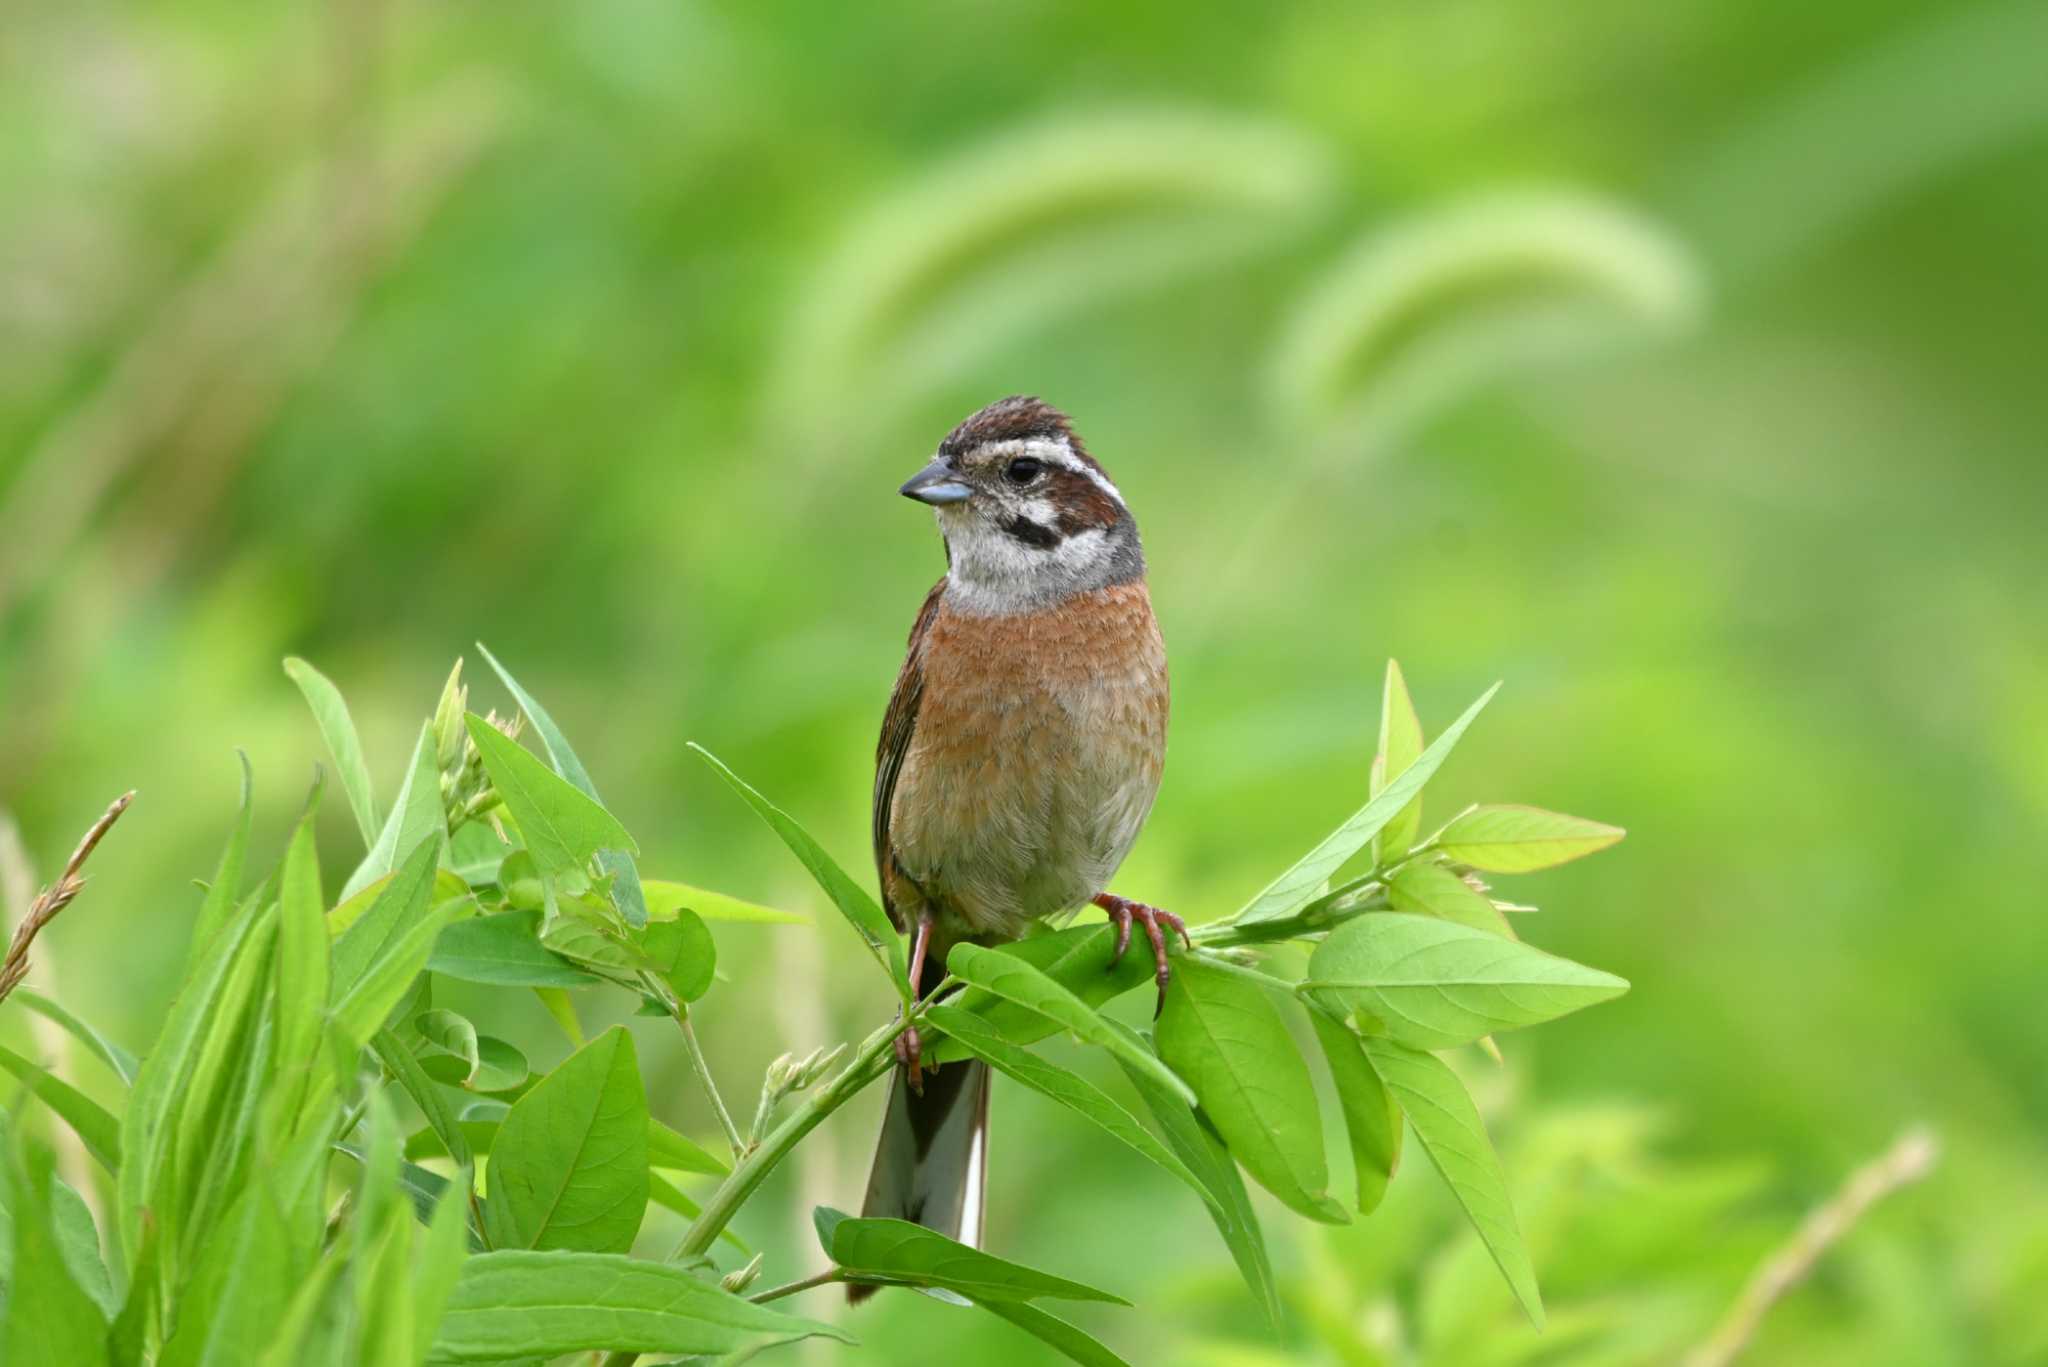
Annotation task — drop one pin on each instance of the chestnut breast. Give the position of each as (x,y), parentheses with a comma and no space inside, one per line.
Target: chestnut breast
(1039,744)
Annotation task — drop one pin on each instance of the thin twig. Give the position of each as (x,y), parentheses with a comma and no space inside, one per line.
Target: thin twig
(825,1278)
(55,898)
(1905,1163)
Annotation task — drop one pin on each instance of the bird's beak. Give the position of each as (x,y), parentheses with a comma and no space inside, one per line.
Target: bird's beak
(936,484)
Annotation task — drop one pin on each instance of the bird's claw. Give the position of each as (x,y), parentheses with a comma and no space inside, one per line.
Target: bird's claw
(1122,912)
(910,1053)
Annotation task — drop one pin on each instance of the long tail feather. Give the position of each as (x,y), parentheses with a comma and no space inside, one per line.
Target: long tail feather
(931,1163)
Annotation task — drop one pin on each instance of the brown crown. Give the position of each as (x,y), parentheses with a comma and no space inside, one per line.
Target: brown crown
(1013,419)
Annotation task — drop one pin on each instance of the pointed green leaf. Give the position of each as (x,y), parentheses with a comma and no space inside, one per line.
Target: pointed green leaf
(859,909)
(330,713)
(1400,746)
(50,1317)
(665,898)
(1194,1138)
(364,1008)
(1078,958)
(99,1131)
(113,1055)
(627,893)
(1072,1343)
(668,1149)
(78,1240)
(439,1265)
(1297,887)
(522,1304)
(1514,839)
(242,1285)
(682,952)
(1435,984)
(226,886)
(1048,1079)
(1452,1135)
(371,933)
(563,1011)
(1370,1116)
(563,826)
(569,1169)
(1222,1032)
(898,1253)
(504,950)
(416,816)
(433,1104)
(1433,890)
(1015,980)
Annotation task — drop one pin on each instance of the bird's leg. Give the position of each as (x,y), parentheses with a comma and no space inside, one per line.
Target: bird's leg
(1122,911)
(909,1048)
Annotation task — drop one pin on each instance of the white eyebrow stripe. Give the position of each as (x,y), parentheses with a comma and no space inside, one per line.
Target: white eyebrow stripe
(1058,453)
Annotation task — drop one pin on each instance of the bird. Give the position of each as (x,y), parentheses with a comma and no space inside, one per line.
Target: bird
(1019,757)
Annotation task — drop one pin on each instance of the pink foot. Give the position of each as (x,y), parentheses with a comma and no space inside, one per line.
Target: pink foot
(1122,911)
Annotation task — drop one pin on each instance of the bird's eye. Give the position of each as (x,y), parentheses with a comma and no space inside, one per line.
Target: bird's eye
(1023,470)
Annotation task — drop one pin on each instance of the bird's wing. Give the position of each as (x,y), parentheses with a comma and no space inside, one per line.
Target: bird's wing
(898,725)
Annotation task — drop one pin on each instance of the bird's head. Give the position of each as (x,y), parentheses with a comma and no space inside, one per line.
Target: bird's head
(1028,515)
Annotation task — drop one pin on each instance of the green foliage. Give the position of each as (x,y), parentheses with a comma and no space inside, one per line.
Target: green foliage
(502,1226)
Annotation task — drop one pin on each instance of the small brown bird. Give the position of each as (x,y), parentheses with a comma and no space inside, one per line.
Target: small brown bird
(1019,756)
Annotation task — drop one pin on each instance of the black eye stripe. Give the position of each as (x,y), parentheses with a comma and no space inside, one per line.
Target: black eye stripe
(1023,470)
(1032,534)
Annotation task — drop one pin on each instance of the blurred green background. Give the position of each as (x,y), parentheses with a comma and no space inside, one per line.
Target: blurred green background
(1679,364)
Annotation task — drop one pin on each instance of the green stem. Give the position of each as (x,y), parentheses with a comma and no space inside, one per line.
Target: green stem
(698,1064)
(825,1278)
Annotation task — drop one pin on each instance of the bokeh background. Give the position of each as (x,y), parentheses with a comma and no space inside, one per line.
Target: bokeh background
(1679,364)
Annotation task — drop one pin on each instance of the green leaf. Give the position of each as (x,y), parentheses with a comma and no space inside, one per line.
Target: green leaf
(330,713)
(1078,959)
(113,1055)
(627,894)
(240,1289)
(454,1035)
(366,1006)
(898,1253)
(563,1012)
(523,1304)
(1514,839)
(1435,984)
(570,1166)
(1194,1138)
(503,950)
(1370,1116)
(406,1071)
(682,952)
(369,935)
(1224,1034)
(439,1266)
(1013,979)
(1071,1342)
(499,1067)
(859,909)
(303,969)
(1297,887)
(1433,890)
(1448,1125)
(78,1239)
(668,1149)
(99,1131)
(416,816)
(1048,1079)
(219,902)
(563,826)
(50,1317)
(665,898)
(1400,746)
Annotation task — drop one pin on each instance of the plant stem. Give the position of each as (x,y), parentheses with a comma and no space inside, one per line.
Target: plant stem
(825,1278)
(698,1064)
(875,1058)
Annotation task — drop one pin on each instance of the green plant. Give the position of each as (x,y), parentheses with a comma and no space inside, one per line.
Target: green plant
(268,1205)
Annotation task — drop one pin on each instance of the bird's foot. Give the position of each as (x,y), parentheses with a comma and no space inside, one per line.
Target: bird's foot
(910,1053)
(1122,912)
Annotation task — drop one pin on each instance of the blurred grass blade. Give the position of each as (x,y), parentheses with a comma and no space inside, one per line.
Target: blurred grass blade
(626,890)
(1448,1125)
(1297,887)
(520,1305)
(304,968)
(1222,1032)
(242,1285)
(50,1317)
(859,909)
(665,899)
(1069,1089)
(668,1149)
(1015,979)
(98,1129)
(219,902)
(1434,984)
(416,815)
(1072,1343)
(113,1055)
(569,1168)
(899,1253)
(1400,745)
(1371,1118)
(339,731)
(1518,839)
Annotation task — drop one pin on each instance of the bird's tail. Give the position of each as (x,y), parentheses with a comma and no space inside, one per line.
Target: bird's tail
(931,1163)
